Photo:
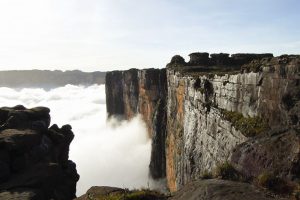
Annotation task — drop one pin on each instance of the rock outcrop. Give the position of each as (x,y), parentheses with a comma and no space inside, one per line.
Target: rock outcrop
(276,152)
(113,193)
(34,161)
(217,59)
(222,109)
(210,114)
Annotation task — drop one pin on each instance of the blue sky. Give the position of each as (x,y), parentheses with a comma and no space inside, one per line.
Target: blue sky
(120,34)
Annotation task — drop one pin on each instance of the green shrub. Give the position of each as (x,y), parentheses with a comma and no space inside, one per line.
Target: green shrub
(274,183)
(249,126)
(227,172)
(207,175)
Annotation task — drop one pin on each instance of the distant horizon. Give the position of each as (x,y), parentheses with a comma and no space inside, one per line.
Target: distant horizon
(52,70)
(186,57)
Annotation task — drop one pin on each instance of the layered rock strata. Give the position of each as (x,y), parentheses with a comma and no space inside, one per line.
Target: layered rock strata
(34,159)
(209,115)
(226,111)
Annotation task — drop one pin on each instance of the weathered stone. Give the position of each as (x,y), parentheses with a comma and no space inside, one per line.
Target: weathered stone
(220,58)
(33,156)
(199,58)
(105,192)
(199,136)
(19,117)
(22,193)
(276,153)
(19,140)
(214,189)
(177,61)
(202,61)
(243,58)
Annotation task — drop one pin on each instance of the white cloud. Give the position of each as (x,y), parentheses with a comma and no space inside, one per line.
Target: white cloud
(106,153)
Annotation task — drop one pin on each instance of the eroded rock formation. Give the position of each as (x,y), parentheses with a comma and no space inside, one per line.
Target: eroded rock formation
(34,159)
(224,109)
(200,134)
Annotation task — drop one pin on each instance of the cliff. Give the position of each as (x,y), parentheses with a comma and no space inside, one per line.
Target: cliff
(241,109)
(209,115)
(49,79)
(141,91)
(34,159)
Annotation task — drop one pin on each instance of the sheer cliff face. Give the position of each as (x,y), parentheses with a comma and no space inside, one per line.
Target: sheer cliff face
(198,138)
(211,117)
(200,134)
(141,92)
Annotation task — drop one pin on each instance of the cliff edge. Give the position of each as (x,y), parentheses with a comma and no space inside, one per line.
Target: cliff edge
(34,159)
(241,111)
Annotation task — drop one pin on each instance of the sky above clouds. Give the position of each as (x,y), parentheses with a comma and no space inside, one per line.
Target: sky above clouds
(101,35)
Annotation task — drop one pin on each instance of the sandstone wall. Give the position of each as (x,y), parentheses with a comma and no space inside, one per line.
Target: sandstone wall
(210,116)
(200,136)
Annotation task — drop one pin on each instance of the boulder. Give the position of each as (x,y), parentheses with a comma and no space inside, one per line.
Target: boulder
(19,117)
(277,152)
(105,192)
(199,58)
(177,61)
(34,159)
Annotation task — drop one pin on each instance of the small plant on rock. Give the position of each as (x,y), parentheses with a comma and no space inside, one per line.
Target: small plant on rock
(274,183)
(227,172)
(206,175)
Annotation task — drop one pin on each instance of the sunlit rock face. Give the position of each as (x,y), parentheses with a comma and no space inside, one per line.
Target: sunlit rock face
(199,134)
(212,108)
(34,159)
(142,92)
(198,138)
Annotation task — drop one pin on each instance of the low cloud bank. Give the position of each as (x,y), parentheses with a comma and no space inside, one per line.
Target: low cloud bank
(108,153)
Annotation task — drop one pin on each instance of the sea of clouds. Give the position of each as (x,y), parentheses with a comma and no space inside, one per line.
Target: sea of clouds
(109,153)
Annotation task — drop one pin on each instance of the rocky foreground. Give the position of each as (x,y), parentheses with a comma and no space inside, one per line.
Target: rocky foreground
(34,159)
(206,189)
